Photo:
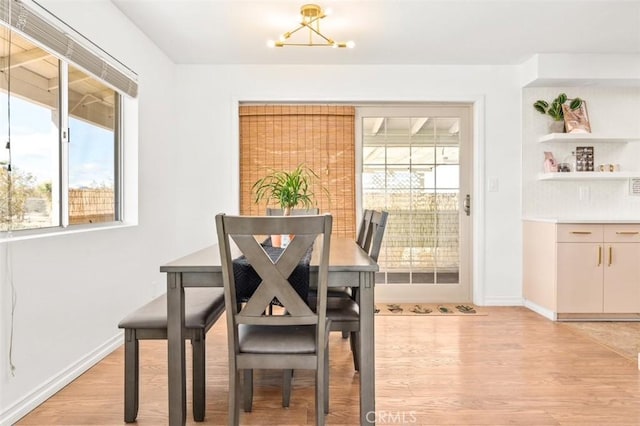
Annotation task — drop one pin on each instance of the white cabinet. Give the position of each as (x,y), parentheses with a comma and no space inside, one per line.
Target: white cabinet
(593,270)
(555,140)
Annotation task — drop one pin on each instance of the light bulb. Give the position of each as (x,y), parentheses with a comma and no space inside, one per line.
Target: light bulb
(351,44)
(271,43)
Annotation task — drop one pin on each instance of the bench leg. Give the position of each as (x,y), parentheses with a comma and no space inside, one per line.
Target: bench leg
(199,377)
(131,375)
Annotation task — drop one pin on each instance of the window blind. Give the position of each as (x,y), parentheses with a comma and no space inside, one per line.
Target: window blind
(283,136)
(37,24)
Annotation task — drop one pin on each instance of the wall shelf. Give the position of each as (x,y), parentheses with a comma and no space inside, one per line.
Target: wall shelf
(586,137)
(588,176)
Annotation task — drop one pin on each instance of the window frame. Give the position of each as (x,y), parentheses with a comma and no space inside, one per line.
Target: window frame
(123,82)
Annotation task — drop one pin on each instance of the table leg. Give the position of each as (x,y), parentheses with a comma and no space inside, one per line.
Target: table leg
(367,349)
(176,356)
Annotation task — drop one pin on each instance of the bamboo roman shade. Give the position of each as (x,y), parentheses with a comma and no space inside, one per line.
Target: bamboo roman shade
(283,136)
(38,25)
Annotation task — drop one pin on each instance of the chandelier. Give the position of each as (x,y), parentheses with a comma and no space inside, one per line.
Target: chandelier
(311,16)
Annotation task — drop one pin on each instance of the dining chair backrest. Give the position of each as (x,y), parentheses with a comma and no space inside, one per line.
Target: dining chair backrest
(375,232)
(364,227)
(294,212)
(282,340)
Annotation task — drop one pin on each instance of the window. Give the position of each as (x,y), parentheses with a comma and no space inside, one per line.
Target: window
(60,123)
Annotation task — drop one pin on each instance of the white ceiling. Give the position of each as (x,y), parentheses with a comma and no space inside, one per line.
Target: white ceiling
(388,31)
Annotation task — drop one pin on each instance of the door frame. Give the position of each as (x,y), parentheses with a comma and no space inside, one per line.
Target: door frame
(463,292)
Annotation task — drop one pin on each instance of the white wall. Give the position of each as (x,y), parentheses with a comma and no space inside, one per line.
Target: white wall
(208,96)
(73,289)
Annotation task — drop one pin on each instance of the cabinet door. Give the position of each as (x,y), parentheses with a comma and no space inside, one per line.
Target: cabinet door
(622,278)
(580,275)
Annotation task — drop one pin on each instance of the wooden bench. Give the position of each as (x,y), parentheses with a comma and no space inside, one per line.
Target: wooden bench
(203,307)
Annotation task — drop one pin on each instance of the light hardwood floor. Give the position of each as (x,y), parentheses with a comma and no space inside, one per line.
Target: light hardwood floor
(510,367)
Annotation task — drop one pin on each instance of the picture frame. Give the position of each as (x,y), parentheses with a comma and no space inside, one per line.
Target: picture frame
(576,121)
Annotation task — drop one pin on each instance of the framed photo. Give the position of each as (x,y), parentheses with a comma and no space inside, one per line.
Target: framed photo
(576,121)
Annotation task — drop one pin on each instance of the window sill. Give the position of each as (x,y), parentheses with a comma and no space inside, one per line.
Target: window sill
(6,237)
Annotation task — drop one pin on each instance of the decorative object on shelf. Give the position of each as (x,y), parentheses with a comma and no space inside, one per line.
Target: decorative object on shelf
(555,110)
(584,159)
(564,167)
(550,164)
(569,163)
(609,167)
(576,120)
(311,16)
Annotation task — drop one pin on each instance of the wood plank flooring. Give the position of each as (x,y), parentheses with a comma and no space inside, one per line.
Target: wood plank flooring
(510,367)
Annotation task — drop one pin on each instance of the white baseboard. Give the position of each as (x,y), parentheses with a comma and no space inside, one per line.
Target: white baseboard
(501,301)
(540,310)
(66,376)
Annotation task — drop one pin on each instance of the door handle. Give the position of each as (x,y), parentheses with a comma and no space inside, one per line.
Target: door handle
(599,256)
(467,204)
(610,256)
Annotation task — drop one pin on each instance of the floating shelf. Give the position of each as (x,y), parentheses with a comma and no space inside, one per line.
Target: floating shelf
(586,137)
(589,176)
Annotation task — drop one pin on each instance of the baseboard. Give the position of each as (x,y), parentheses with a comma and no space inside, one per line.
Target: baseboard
(500,301)
(540,310)
(50,387)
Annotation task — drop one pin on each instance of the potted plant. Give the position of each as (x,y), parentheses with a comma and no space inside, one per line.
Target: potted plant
(289,189)
(555,110)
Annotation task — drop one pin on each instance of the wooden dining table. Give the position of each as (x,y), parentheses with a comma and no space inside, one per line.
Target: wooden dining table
(349,265)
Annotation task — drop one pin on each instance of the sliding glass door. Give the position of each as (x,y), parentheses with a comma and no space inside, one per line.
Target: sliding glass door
(416,164)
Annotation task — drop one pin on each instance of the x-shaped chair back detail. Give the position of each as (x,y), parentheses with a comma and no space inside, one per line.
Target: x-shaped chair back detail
(274,281)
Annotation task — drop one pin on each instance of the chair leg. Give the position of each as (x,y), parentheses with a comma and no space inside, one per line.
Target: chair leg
(199,375)
(355,344)
(321,396)
(287,378)
(234,396)
(248,390)
(131,375)
(326,381)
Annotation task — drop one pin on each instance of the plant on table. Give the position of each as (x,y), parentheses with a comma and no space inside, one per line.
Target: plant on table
(289,189)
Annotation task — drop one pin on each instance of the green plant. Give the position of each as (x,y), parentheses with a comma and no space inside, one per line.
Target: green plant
(288,188)
(555,109)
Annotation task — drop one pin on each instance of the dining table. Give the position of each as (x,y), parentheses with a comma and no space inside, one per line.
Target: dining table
(349,265)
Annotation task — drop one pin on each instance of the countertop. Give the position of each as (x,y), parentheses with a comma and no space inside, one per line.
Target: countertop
(580,220)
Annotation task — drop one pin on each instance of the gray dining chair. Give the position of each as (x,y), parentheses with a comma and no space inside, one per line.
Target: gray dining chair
(291,338)
(344,312)
(202,308)
(364,227)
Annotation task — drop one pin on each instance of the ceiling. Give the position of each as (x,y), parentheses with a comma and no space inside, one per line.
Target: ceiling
(388,31)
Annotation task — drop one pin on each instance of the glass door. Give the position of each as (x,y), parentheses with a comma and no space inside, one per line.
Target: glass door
(416,165)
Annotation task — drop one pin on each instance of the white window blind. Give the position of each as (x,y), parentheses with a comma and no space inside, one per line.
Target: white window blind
(36,23)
